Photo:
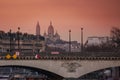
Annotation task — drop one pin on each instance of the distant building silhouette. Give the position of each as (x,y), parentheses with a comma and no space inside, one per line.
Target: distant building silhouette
(51,35)
(50,30)
(37,29)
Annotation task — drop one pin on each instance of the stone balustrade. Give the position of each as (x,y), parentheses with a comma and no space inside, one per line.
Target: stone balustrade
(60,58)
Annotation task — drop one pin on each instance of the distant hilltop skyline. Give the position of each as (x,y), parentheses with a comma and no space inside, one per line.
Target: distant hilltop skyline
(50,34)
(51,31)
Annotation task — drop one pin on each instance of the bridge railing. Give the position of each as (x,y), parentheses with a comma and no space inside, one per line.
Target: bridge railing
(95,54)
(60,58)
(65,56)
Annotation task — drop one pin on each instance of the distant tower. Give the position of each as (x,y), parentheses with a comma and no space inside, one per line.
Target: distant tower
(50,30)
(37,29)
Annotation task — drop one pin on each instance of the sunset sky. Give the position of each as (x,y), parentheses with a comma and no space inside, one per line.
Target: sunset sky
(95,16)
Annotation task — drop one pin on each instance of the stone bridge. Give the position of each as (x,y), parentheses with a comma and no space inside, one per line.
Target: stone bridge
(66,67)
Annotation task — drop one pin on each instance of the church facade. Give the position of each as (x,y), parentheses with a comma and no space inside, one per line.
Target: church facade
(51,35)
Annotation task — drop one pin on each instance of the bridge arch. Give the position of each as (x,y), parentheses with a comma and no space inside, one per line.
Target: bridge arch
(46,66)
(109,71)
(50,75)
(90,66)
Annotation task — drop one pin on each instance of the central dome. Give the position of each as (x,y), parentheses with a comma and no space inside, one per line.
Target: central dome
(50,30)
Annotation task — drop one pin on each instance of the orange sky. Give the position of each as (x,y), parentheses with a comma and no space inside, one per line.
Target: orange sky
(95,16)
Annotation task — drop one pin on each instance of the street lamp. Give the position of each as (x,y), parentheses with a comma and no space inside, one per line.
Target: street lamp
(10,40)
(69,41)
(18,39)
(81,39)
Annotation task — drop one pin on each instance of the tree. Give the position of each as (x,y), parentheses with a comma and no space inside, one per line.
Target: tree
(115,35)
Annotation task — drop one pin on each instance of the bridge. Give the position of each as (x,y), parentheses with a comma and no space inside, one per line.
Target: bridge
(68,66)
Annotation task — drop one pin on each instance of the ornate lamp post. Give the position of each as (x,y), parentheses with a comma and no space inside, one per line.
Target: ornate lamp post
(10,40)
(69,41)
(18,39)
(81,39)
